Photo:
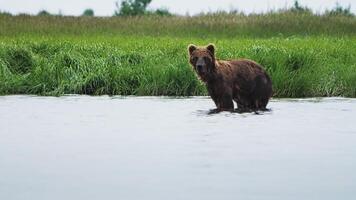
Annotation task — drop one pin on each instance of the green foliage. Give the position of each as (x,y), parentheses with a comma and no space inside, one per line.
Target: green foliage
(306,55)
(19,61)
(88,12)
(221,25)
(300,9)
(162,12)
(131,7)
(296,9)
(136,65)
(43,13)
(340,11)
(4,13)
(138,7)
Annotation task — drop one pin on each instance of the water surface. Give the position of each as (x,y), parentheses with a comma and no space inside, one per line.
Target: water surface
(151,148)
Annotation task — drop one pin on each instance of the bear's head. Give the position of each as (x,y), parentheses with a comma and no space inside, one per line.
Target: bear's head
(203,60)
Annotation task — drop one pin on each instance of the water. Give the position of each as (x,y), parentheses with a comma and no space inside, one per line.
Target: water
(132,148)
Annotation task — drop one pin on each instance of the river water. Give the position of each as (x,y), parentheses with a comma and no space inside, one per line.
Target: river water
(152,148)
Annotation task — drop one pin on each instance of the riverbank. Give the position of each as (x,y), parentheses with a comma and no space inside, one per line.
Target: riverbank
(306,55)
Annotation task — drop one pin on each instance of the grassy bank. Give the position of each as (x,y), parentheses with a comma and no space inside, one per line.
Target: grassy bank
(306,55)
(218,25)
(133,65)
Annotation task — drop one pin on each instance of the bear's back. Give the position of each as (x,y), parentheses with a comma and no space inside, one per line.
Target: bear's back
(249,77)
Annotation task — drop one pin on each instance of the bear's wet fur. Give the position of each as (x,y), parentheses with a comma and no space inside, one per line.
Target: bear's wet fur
(243,81)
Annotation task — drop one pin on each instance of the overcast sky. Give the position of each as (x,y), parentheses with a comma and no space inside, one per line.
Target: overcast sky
(107,7)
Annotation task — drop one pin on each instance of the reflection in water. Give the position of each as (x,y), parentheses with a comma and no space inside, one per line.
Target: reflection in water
(80,147)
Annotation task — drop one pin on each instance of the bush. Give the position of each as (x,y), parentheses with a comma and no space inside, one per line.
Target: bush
(43,13)
(88,12)
(339,10)
(297,8)
(131,7)
(19,61)
(4,13)
(163,12)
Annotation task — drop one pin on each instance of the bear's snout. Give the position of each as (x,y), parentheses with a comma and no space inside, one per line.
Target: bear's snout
(201,66)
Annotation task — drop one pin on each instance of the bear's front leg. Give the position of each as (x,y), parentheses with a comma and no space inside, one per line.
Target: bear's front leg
(217,104)
(226,103)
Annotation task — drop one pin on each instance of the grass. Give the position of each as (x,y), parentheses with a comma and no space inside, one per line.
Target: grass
(306,55)
(219,25)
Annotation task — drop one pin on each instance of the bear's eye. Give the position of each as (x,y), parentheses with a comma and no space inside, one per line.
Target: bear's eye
(194,59)
(206,58)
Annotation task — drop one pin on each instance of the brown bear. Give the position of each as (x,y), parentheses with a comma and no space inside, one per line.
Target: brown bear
(243,81)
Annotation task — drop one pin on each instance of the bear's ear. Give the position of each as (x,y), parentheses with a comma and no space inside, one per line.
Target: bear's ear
(192,48)
(211,48)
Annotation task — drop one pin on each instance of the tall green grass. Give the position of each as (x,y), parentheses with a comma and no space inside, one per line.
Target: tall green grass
(216,25)
(306,55)
(135,65)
